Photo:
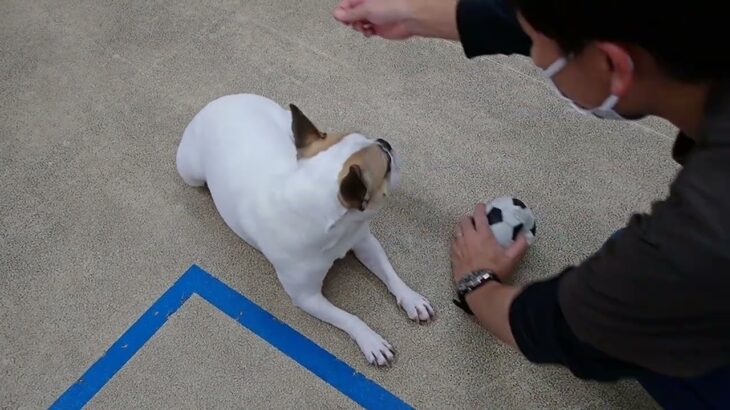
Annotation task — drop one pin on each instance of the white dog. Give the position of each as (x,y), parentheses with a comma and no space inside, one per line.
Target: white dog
(300,196)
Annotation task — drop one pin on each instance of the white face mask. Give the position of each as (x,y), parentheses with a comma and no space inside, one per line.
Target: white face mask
(604,111)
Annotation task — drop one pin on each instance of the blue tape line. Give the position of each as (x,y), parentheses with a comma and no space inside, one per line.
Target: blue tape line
(126,346)
(299,348)
(295,345)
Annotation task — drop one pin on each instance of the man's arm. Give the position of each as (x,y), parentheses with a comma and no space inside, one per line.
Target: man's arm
(474,247)
(491,304)
(483,26)
(490,27)
(530,318)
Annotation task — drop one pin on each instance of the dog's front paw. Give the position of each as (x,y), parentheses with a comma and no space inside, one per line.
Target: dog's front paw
(417,307)
(376,350)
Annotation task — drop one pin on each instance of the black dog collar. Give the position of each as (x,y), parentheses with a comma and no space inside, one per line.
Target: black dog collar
(388,149)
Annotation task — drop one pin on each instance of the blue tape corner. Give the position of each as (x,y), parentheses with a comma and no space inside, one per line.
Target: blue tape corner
(293,344)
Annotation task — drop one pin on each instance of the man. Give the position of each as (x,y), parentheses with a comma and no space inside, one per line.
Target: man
(652,304)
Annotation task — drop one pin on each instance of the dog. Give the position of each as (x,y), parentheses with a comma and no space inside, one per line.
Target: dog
(302,197)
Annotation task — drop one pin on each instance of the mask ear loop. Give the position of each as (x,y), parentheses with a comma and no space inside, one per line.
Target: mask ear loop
(607,108)
(612,99)
(551,71)
(610,102)
(555,67)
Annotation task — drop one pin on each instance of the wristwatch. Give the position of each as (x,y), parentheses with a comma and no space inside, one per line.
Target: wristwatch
(471,282)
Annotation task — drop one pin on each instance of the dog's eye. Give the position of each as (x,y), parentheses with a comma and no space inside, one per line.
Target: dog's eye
(324,135)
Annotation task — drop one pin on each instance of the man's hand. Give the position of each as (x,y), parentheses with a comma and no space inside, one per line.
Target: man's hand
(474,247)
(386,18)
(400,19)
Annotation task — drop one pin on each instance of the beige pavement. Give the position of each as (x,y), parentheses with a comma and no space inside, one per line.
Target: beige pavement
(95,223)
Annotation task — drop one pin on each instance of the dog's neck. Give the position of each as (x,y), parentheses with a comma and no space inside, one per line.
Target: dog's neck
(314,198)
(312,191)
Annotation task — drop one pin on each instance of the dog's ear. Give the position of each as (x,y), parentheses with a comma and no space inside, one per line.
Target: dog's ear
(305,133)
(353,189)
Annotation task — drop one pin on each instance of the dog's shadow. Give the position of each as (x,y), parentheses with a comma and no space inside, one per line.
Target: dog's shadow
(407,225)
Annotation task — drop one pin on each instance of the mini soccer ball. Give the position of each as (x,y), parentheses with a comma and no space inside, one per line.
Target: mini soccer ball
(509,217)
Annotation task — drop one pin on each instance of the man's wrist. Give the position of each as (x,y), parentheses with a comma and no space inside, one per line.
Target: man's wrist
(474,297)
(469,284)
(433,18)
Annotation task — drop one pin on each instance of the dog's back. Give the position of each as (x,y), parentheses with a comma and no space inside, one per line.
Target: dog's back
(244,135)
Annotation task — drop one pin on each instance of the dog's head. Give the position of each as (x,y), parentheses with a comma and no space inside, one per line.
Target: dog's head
(364,170)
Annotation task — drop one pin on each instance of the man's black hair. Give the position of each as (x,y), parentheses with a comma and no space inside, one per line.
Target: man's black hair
(690,40)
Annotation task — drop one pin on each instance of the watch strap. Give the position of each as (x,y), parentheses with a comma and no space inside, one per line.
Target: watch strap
(470,283)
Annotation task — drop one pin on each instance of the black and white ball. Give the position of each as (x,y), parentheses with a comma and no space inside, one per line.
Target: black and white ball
(508,217)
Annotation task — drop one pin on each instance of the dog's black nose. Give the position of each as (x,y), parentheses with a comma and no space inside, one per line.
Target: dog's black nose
(385,144)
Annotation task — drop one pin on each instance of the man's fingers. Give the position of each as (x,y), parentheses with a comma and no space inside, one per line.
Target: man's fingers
(339,14)
(351,11)
(457,231)
(348,4)
(466,225)
(482,225)
(518,249)
(480,217)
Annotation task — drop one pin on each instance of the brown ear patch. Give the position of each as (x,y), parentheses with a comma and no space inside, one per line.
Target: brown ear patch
(363,179)
(353,190)
(305,133)
(308,140)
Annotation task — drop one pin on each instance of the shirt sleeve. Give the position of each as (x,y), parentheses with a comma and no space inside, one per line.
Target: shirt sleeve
(543,336)
(657,295)
(652,299)
(490,27)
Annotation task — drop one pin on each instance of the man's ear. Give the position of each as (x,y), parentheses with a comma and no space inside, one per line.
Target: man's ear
(305,133)
(621,65)
(353,189)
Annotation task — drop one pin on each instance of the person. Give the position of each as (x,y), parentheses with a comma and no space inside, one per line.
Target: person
(652,303)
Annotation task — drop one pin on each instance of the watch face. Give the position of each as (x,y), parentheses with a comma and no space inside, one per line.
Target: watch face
(470,281)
